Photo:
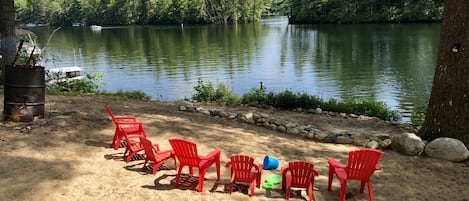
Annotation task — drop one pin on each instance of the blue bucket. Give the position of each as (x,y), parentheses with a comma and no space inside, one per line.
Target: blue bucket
(270,163)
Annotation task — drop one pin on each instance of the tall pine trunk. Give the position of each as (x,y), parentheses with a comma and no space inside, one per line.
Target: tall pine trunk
(448,109)
(7,33)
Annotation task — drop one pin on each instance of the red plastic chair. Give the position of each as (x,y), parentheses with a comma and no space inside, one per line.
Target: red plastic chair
(155,155)
(299,174)
(133,145)
(127,123)
(244,170)
(361,166)
(186,153)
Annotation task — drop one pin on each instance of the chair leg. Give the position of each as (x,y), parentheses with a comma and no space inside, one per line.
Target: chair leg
(258,180)
(370,190)
(201,180)
(251,189)
(362,186)
(310,192)
(287,194)
(178,176)
(343,186)
(117,142)
(231,186)
(217,164)
(331,175)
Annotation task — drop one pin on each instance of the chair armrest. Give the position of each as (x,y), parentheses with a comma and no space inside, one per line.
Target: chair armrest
(125,118)
(258,168)
(284,171)
(228,165)
(315,173)
(334,163)
(130,123)
(378,167)
(213,154)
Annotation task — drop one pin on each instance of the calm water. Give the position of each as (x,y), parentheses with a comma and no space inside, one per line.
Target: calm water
(393,63)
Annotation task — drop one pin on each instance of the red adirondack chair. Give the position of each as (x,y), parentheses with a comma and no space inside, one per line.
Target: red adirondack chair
(133,145)
(361,166)
(155,155)
(186,153)
(244,170)
(127,123)
(299,174)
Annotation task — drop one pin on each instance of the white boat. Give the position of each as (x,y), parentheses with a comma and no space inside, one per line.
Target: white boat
(95,28)
(62,74)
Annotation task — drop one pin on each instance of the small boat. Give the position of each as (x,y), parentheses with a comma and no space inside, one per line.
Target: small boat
(77,24)
(62,74)
(95,28)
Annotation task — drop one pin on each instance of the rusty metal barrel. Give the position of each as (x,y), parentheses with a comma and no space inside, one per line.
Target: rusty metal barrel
(24,93)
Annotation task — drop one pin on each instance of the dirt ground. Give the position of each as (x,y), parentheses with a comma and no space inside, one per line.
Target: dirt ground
(68,156)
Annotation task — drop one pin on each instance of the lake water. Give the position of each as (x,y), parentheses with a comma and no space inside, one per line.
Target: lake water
(393,63)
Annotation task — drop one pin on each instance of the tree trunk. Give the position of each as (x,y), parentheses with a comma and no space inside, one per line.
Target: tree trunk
(7,34)
(448,109)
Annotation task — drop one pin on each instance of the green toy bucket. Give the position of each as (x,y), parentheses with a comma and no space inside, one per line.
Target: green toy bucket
(270,163)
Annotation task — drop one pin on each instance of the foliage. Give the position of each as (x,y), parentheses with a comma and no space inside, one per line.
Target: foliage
(207,93)
(363,11)
(287,99)
(77,86)
(122,12)
(131,95)
(417,118)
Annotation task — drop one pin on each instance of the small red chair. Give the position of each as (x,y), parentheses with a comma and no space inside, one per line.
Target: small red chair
(127,123)
(186,153)
(244,170)
(155,155)
(132,145)
(299,174)
(361,166)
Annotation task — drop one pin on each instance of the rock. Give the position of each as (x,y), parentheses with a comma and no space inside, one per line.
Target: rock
(318,111)
(344,140)
(182,108)
(293,131)
(232,115)
(372,144)
(385,143)
(407,143)
(272,126)
(447,149)
(275,121)
(249,115)
(223,114)
(303,133)
(281,129)
(353,116)
(343,115)
(202,110)
(310,135)
(321,136)
(360,140)
(331,138)
(290,125)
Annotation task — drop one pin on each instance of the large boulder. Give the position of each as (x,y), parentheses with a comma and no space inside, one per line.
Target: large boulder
(408,144)
(447,149)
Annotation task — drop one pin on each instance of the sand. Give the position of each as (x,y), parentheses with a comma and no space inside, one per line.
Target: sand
(68,156)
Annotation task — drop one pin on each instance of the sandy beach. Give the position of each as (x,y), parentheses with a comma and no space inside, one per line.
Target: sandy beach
(68,156)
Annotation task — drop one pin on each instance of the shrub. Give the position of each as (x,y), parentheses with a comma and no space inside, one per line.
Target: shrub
(79,86)
(206,93)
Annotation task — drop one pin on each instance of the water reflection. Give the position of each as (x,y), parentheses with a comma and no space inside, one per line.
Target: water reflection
(392,63)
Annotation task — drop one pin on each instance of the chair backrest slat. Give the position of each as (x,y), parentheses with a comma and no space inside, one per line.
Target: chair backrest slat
(361,163)
(185,151)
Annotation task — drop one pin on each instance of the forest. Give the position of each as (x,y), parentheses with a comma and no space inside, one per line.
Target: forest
(152,12)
